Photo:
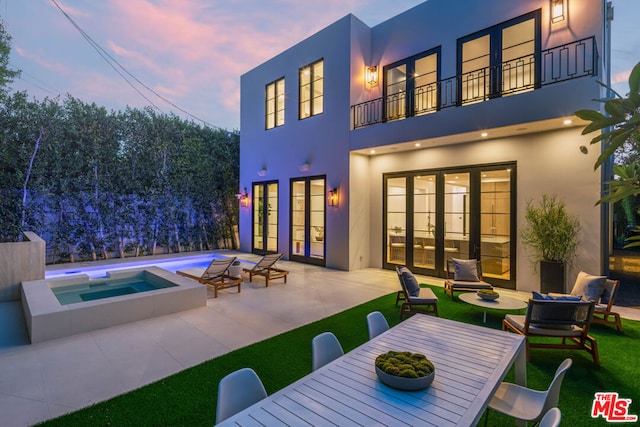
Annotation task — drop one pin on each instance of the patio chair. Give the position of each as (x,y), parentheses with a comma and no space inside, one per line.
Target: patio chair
(602,312)
(265,267)
(551,419)
(215,275)
(414,298)
(237,391)
(376,324)
(324,349)
(567,321)
(526,404)
(464,275)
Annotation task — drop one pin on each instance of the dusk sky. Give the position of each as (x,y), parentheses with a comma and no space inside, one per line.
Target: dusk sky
(193,52)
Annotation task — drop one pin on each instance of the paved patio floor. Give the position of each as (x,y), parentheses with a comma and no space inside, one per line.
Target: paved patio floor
(45,380)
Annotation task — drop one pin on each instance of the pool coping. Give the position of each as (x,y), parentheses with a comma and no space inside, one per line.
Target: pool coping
(47,319)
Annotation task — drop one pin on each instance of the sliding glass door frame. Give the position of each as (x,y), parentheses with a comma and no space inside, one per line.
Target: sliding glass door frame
(407,236)
(305,239)
(264,227)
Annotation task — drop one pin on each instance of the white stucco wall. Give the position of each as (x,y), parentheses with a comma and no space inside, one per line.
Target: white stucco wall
(549,162)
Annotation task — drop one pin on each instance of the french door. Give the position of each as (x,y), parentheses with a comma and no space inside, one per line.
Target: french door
(308,220)
(265,217)
(433,216)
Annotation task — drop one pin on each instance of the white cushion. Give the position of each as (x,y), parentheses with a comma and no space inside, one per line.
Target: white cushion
(589,287)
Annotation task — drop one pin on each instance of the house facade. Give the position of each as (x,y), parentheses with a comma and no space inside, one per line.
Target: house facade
(422,139)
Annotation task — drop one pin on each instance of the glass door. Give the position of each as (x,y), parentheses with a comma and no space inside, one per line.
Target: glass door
(495,223)
(431,217)
(308,219)
(265,217)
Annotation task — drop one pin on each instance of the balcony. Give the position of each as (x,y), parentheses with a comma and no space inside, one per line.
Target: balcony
(554,65)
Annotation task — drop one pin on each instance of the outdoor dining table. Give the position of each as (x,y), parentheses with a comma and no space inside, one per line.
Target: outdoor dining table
(470,362)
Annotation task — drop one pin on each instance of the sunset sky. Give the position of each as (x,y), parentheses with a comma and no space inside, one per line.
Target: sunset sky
(192,52)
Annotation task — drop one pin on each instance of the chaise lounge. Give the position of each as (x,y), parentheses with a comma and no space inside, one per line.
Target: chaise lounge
(266,267)
(215,275)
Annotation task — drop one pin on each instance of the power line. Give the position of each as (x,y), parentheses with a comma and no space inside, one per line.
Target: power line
(111,61)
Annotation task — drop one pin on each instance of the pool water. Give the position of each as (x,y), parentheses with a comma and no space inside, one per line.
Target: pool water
(91,291)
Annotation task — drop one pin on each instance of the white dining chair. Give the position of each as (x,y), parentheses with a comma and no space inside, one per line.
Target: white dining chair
(237,391)
(551,418)
(526,404)
(376,323)
(325,348)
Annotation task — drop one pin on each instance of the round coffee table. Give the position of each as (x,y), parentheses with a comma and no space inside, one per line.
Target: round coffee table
(502,303)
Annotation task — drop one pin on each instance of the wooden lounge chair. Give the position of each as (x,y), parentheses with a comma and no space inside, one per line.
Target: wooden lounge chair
(602,312)
(266,267)
(414,298)
(464,281)
(567,321)
(215,275)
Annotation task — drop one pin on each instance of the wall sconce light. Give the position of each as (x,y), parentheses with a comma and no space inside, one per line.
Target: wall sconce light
(333,197)
(244,198)
(557,11)
(371,75)
(305,167)
(262,172)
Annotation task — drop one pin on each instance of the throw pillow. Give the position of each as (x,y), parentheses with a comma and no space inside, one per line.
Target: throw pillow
(589,287)
(539,296)
(465,270)
(413,288)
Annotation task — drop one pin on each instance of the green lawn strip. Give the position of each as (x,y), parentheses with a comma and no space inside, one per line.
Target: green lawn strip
(189,397)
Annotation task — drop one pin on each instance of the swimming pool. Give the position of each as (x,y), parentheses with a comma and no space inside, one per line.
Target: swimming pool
(47,318)
(106,288)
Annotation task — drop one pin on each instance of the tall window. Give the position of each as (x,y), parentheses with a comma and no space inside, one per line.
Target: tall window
(312,89)
(499,61)
(274,104)
(411,86)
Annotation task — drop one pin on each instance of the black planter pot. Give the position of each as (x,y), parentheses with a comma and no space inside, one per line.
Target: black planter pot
(551,277)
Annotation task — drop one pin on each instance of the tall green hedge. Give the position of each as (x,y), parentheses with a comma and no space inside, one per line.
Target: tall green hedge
(98,184)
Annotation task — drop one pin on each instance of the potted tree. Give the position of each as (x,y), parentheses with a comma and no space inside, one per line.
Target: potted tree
(552,236)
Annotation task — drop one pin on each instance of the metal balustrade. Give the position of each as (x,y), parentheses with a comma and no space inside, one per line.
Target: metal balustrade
(557,64)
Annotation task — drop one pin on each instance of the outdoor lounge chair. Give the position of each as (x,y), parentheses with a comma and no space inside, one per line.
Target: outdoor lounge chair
(464,276)
(215,275)
(567,321)
(414,298)
(265,267)
(602,312)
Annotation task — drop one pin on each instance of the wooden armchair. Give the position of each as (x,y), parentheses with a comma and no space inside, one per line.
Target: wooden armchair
(414,298)
(567,321)
(602,312)
(466,281)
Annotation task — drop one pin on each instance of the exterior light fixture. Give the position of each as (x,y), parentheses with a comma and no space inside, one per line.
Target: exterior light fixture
(567,122)
(371,75)
(262,172)
(484,134)
(557,11)
(333,197)
(244,198)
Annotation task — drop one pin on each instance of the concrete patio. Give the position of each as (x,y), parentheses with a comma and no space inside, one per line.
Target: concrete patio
(45,380)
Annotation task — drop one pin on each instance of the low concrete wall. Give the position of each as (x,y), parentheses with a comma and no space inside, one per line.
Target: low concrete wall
(20,261)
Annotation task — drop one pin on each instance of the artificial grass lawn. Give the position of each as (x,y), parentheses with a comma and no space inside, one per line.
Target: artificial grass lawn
(188,398)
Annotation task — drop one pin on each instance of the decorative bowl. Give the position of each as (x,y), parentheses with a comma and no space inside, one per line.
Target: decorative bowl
(405,370)
(403,383)
(488,296)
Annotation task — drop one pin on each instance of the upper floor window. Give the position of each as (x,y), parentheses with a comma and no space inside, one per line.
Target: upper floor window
(274,104)
(499,61)
(411,86)
(311,89)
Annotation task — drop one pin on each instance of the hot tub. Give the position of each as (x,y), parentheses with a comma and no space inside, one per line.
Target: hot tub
(119,298)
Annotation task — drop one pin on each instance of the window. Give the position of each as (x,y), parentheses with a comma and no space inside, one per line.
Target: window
(311,89)
(499,61)
(411,86)
(274,100)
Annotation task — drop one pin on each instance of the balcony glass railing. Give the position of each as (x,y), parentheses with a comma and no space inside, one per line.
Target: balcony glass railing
(557,64)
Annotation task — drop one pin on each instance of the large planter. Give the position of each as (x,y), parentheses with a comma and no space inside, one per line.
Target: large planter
(551,277)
